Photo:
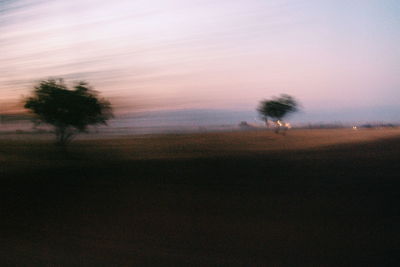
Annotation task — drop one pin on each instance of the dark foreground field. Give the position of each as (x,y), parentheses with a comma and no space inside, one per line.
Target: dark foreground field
(312,198)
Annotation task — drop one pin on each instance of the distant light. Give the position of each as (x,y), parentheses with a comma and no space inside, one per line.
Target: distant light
(355,128)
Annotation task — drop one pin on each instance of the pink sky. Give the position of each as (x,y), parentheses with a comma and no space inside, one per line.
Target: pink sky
(170,54)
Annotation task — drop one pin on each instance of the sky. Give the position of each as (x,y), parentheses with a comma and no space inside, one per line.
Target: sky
(331,55)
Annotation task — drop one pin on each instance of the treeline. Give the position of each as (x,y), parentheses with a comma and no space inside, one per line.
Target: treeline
(341,125)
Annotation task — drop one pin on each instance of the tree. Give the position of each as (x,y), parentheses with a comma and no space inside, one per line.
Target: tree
(68,111)
(277,108)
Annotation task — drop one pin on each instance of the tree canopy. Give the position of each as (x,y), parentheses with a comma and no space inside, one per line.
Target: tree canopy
(68,111)
(278,107)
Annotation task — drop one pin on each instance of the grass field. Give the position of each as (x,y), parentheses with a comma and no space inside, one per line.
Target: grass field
(311,198)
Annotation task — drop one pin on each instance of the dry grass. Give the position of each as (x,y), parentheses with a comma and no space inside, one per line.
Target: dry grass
(26,151)
(311,198)
(229,143)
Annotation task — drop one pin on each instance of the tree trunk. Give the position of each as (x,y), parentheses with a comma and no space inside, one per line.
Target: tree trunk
(277,127)
(63,136)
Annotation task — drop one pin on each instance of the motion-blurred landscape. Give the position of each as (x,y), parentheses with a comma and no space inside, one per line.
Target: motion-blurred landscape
(199,133)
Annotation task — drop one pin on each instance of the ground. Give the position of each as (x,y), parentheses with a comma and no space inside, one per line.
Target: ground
(253,198)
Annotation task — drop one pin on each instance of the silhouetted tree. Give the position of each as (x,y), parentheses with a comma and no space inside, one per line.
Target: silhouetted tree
(68,111)
(277,108)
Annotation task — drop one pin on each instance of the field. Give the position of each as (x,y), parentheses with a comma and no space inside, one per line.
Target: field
(251,198)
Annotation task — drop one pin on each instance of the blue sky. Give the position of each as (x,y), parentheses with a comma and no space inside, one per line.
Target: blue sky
(202,54)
